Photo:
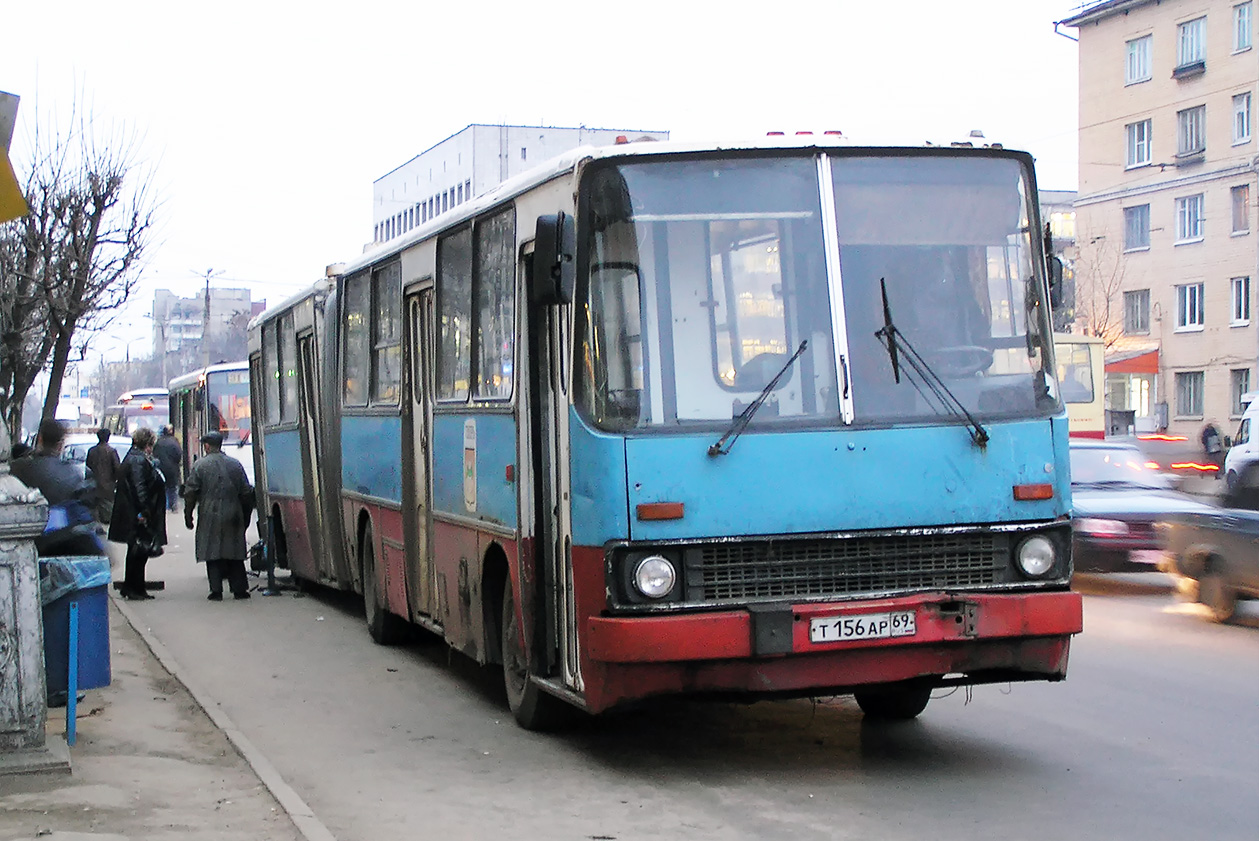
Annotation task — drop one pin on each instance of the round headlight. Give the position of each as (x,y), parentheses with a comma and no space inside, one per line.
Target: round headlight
(1036,555)
(654,577)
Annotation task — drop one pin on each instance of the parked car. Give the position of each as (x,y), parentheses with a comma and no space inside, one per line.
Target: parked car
(1117,497)
(76,445)
(1221,552)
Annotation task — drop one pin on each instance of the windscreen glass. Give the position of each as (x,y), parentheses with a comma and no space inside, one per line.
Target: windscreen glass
(703,279)
(948,242)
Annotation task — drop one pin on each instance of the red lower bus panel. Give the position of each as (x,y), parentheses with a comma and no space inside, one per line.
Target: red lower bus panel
(301,557)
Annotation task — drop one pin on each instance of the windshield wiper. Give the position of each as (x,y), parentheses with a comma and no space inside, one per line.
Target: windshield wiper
(745,417)
(895,341)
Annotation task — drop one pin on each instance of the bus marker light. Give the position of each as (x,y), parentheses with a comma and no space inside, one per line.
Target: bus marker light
(510,473)
(660,510)
(1038,491)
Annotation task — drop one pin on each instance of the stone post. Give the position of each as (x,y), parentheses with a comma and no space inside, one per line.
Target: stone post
(24,746)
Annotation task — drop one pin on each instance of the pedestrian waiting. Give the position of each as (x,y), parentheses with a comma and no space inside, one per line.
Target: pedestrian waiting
(170,456)
(217,485)
(139,512)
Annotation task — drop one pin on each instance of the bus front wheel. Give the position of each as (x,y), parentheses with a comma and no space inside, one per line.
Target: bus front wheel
(895,703)
(533,708)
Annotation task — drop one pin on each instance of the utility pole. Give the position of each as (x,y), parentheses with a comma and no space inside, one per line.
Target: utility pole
(205,319)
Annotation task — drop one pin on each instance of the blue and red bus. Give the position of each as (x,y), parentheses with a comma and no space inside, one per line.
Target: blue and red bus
(769,421)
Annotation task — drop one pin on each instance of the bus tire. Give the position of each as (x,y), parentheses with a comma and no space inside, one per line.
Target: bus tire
(894,703)
(383,626)
(533,708)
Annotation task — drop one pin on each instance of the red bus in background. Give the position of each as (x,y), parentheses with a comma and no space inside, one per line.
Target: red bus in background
(147,407)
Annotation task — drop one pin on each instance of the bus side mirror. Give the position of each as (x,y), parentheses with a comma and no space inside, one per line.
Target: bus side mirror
(1055,281)
(554,266)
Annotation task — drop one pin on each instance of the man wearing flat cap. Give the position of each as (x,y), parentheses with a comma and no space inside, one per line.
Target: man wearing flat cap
(218,489)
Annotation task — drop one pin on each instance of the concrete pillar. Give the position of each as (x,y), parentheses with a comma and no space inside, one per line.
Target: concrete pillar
(24,746)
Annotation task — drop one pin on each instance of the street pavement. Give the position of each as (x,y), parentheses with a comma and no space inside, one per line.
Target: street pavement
(154,757)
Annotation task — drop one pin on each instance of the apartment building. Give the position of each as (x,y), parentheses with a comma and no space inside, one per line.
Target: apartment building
(470,162)
(1166,224)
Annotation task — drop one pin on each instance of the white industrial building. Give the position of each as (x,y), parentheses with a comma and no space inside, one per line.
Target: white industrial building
(471,162)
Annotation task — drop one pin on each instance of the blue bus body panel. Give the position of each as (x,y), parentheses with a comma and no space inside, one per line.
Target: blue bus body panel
(600,505)
(284,463)
(831,480)
(495,450)
(371,461)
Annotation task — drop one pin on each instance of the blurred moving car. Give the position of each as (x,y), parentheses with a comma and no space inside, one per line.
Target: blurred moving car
(76,445)
(1219,551)
(1245,448)
(1117,497)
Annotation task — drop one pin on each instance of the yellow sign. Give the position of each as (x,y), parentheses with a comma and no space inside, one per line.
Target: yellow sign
(12,203)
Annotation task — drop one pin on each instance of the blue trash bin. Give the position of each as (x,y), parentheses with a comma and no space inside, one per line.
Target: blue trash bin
(85,580)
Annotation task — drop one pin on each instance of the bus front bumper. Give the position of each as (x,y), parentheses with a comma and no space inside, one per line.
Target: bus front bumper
(769,650)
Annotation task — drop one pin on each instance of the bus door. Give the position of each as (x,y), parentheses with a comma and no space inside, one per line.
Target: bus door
(555,622)
(417,419)
(312,473)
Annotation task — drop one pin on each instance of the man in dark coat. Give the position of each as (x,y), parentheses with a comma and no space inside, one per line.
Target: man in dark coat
(105,465)
(218,486)
(71,528)
(170,456)
(139,512)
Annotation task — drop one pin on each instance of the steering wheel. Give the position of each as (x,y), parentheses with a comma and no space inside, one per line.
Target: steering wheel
(960,360)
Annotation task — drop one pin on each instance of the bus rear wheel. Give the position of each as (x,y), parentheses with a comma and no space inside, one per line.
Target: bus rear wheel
(533,708)
(383,626)
(894,703)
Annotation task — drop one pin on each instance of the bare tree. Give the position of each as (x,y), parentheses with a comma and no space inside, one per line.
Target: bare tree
(1099,275)
(73,261)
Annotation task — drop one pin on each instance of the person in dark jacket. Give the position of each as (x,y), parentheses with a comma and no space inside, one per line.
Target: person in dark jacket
(170,456)
(139,512)
(218,486)
(105,465)
(71,528)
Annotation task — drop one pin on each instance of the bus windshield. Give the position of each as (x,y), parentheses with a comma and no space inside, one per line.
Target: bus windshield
(702,278)
(227,401)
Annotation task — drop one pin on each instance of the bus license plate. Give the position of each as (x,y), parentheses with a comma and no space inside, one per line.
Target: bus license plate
(862,626)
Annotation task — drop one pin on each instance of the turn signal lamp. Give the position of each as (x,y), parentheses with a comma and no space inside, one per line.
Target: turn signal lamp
(1042,490)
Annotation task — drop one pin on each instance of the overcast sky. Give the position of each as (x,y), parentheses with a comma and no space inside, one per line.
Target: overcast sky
(266,123)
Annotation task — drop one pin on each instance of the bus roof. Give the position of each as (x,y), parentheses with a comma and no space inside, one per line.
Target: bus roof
(192,377)
(148,393)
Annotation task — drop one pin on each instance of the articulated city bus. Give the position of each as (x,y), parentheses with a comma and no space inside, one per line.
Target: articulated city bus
(214,399)
(767,421)
(1082,373)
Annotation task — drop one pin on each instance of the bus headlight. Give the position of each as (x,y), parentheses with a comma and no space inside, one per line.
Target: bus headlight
(654,577)
(1036,556)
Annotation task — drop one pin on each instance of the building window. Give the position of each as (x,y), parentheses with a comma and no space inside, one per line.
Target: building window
(1241,118)
(1189,307)
(1241,27)
(1136,227)
(1189,393)
(1189,219)
(1239,306)
(1138,66)
(467,189)
(1241,208)
(1136,311)
(1239,382)
(1139,143)
(1191,136)
(1191,43)
(524,153)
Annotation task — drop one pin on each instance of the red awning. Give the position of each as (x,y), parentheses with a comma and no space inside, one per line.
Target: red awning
(1141,363)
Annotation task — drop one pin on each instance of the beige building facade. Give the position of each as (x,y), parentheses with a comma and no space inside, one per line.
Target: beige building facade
(1166,221)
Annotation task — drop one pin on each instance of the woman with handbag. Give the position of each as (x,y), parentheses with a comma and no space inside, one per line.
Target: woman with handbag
(139,518)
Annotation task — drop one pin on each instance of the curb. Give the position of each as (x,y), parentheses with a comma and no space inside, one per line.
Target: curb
(311,828)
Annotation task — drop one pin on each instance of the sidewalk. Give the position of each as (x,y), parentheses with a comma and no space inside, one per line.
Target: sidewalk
(148,763)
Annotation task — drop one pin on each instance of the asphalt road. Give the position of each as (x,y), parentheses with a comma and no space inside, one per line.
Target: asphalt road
(1155,735)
